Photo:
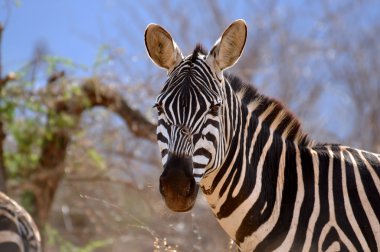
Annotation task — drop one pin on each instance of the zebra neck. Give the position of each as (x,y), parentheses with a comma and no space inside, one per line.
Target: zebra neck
(248,182)
(246,192)
(251,144)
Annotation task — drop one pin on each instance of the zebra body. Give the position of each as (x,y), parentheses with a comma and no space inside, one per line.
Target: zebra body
(268,184)
(289,197)
(18,232)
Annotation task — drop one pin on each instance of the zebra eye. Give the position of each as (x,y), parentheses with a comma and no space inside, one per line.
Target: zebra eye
(159,108)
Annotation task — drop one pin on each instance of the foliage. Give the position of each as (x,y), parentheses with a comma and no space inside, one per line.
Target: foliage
(24,109)
(21,117)
(28,119)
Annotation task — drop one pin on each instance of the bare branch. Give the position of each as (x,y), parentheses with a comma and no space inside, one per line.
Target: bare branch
(101,95)
(50,170)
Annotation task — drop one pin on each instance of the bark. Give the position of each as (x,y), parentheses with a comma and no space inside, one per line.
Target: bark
(2,165)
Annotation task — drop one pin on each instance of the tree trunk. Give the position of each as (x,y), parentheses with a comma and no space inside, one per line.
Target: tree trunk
(2,164)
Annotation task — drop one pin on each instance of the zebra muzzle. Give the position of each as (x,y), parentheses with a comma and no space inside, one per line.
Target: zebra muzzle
(177,183)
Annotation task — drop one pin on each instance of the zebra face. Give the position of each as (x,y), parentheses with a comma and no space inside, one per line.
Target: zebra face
(190,110)
(188,131)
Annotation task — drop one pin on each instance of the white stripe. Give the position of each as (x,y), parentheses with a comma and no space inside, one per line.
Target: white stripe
(164,159)
(198,171)
(197,179)
(161,129)
(330,185)
(200,159)
(335,246)
(254,104)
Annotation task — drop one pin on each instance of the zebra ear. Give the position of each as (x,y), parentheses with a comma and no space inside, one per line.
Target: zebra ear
(228,48)
(161,48)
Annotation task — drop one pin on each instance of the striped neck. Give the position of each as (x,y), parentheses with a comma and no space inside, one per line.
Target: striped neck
(259,136)
(246,113)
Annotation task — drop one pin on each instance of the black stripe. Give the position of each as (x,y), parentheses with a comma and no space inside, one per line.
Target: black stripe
(162,138)
(308,201)
(164,152)
(7,224)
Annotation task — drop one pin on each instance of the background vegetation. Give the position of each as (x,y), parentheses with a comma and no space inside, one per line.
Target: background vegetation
(77,142)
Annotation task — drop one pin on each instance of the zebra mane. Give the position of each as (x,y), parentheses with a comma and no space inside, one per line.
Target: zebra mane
(197,50)
(288,121)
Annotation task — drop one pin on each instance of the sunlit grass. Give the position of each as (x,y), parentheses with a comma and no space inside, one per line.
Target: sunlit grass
(161,245)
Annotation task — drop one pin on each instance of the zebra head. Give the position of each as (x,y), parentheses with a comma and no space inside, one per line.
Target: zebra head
(191,108)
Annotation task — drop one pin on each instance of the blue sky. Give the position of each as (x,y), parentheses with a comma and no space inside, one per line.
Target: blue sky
(76,29)
(71,29)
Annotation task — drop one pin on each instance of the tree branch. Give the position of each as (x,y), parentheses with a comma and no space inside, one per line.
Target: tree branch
(93,93)
(101,95)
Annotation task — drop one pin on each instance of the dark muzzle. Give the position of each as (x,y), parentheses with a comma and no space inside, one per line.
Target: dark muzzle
(177,184)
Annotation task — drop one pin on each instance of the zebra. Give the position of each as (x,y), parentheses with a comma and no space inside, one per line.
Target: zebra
(18,232)
(270,186)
